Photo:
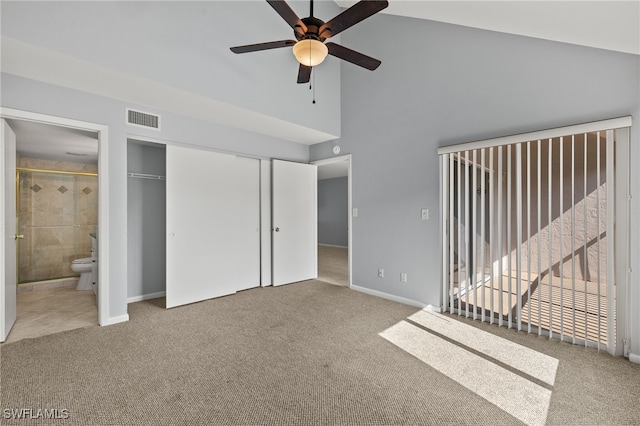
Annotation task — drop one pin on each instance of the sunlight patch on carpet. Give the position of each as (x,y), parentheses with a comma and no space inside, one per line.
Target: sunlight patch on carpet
(521,398)
(533,363)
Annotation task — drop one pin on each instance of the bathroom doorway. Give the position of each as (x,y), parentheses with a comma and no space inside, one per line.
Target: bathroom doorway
(57,208)
(334,220)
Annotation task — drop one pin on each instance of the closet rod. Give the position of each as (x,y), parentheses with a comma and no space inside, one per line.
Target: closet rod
(146,176)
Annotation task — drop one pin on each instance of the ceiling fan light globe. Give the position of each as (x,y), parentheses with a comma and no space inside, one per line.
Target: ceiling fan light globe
(310,52)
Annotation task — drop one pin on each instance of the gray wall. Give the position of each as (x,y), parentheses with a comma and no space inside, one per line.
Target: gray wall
(456,85)
(146,220)
(333,211)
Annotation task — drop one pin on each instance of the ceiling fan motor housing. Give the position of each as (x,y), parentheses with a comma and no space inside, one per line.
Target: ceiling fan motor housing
(313,25)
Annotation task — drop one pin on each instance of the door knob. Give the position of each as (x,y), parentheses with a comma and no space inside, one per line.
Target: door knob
(19,237)
(277,229)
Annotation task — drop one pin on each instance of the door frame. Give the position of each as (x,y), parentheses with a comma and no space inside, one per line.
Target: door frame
(103,195)
(8,234)
(339,159)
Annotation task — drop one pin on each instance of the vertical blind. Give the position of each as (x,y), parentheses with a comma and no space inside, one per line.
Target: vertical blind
(534,232)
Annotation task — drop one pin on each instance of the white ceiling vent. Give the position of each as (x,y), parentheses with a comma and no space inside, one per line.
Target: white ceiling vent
(143,119)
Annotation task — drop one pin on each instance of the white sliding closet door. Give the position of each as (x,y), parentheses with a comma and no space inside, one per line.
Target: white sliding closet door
(295,222)
(213,225)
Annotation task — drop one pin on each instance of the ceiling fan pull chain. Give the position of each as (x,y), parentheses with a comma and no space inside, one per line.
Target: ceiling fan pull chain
(313,75)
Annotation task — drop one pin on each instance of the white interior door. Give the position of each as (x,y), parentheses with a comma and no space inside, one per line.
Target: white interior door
(8,230)
(213,225)
(295,222)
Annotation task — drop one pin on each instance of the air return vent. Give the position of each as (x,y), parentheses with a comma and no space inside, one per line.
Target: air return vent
(143,119)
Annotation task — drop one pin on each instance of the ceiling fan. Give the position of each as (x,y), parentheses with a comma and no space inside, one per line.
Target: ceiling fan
(309,47)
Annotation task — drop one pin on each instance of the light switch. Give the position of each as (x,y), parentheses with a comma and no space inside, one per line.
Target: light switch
(425,214)
(355,212)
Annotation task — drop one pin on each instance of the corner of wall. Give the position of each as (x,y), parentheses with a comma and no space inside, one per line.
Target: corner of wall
(116,320)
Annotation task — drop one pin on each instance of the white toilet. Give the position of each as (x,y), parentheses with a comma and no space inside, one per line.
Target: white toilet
(83,267)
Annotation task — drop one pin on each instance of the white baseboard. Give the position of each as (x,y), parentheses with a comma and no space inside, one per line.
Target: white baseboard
(388,296)
(432,308)
(333,245)
(117,320)
(635,358)
(146,297)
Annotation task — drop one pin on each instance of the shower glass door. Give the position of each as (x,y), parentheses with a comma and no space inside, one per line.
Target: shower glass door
(57,211)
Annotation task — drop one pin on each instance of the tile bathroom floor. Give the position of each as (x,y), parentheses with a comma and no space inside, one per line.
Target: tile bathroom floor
(51,311)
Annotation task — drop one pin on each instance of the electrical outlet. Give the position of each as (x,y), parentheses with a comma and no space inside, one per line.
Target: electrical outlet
(355,212)
(425,214)
(403,277)
(380,272)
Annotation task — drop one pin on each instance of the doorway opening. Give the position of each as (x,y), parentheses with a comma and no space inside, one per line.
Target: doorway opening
(56,223)
(55,168)
(146,220)
(334,220)
(534,233)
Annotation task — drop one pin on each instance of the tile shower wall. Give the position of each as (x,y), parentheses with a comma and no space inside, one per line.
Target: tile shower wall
(57,212)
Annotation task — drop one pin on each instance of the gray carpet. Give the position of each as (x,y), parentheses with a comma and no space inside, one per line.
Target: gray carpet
(333,265)
(302,354)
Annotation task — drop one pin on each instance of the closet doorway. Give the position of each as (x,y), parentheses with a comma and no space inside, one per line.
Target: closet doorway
(193,223)
(334,220)
(146,220)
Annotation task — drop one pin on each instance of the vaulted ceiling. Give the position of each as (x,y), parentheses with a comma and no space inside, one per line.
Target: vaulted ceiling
(612,25)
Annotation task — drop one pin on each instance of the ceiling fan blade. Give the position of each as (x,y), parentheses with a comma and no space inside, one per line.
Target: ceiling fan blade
(304,74)
(262,46)
(356,13)
(352,56)
(285,11)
